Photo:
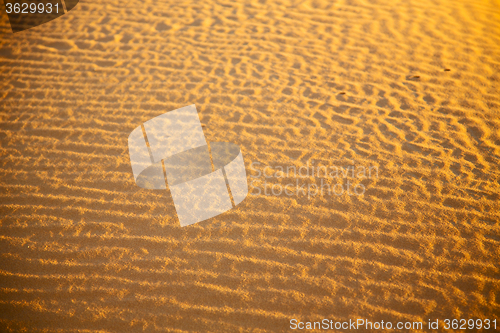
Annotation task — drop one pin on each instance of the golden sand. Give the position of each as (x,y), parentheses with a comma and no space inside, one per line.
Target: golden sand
(410,87)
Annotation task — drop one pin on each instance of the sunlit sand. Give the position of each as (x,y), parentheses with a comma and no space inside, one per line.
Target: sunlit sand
(408,88)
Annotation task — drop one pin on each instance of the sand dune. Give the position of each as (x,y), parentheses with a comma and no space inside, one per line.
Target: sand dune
(409,87)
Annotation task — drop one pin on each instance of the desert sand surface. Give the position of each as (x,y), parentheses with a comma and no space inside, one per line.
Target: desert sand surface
(410,88)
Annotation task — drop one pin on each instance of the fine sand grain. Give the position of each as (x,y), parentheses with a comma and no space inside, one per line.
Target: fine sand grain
(411,88)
